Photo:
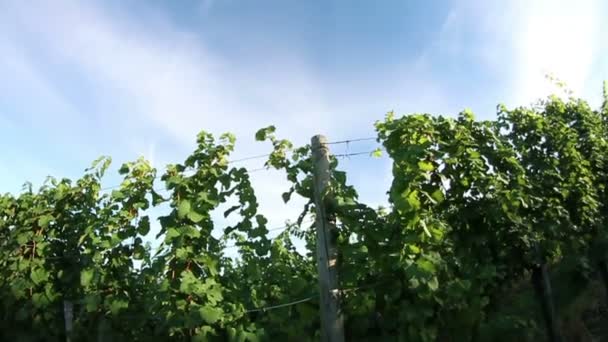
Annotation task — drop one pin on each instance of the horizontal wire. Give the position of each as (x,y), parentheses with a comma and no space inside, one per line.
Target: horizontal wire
(258,170)
(278,306)
(262,309)
(268,154)
(304,300)
(350,141)
(281,305)
(162,190)
(159,190)
(353,154)
(270,230)
(248,158)
(236,245)
(353,289)
(299,301)
(154,250)
(363,287)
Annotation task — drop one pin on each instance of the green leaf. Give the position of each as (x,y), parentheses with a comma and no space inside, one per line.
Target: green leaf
(426,265)
(231,334)
(473,154)
(230,210)
(172,233)
(124,169)
(49,291)
(44,220)
(39,300)
(183,208)
(86,276)
(261,220)
(24,237)
(464,182)
(18,287)
(139,252)
(345,201)
(188,282)
(182,253)
(156,198)
(210,314)
(433,284)
(467,114)
(143,228)
(214,294)
(204,197)
(263,133)
(426,166)
(287,195)
(438,196)
(413,201)
(202,334)
(195,217)
(118,304)
(39,275)
(413,249)
(377,153)
(91,302)
(117,194)
(191,232)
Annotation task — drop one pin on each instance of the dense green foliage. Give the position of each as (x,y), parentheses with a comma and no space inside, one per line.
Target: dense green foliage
(474,207)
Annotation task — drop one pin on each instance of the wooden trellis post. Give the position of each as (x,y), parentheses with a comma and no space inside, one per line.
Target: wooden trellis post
(332,323)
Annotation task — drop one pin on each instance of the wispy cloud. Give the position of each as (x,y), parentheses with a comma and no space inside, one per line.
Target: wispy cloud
(167,76)
(148,75)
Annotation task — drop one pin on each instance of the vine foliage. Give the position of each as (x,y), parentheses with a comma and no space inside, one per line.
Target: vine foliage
(474,207)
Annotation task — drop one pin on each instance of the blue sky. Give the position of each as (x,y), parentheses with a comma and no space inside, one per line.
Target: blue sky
(79,79)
